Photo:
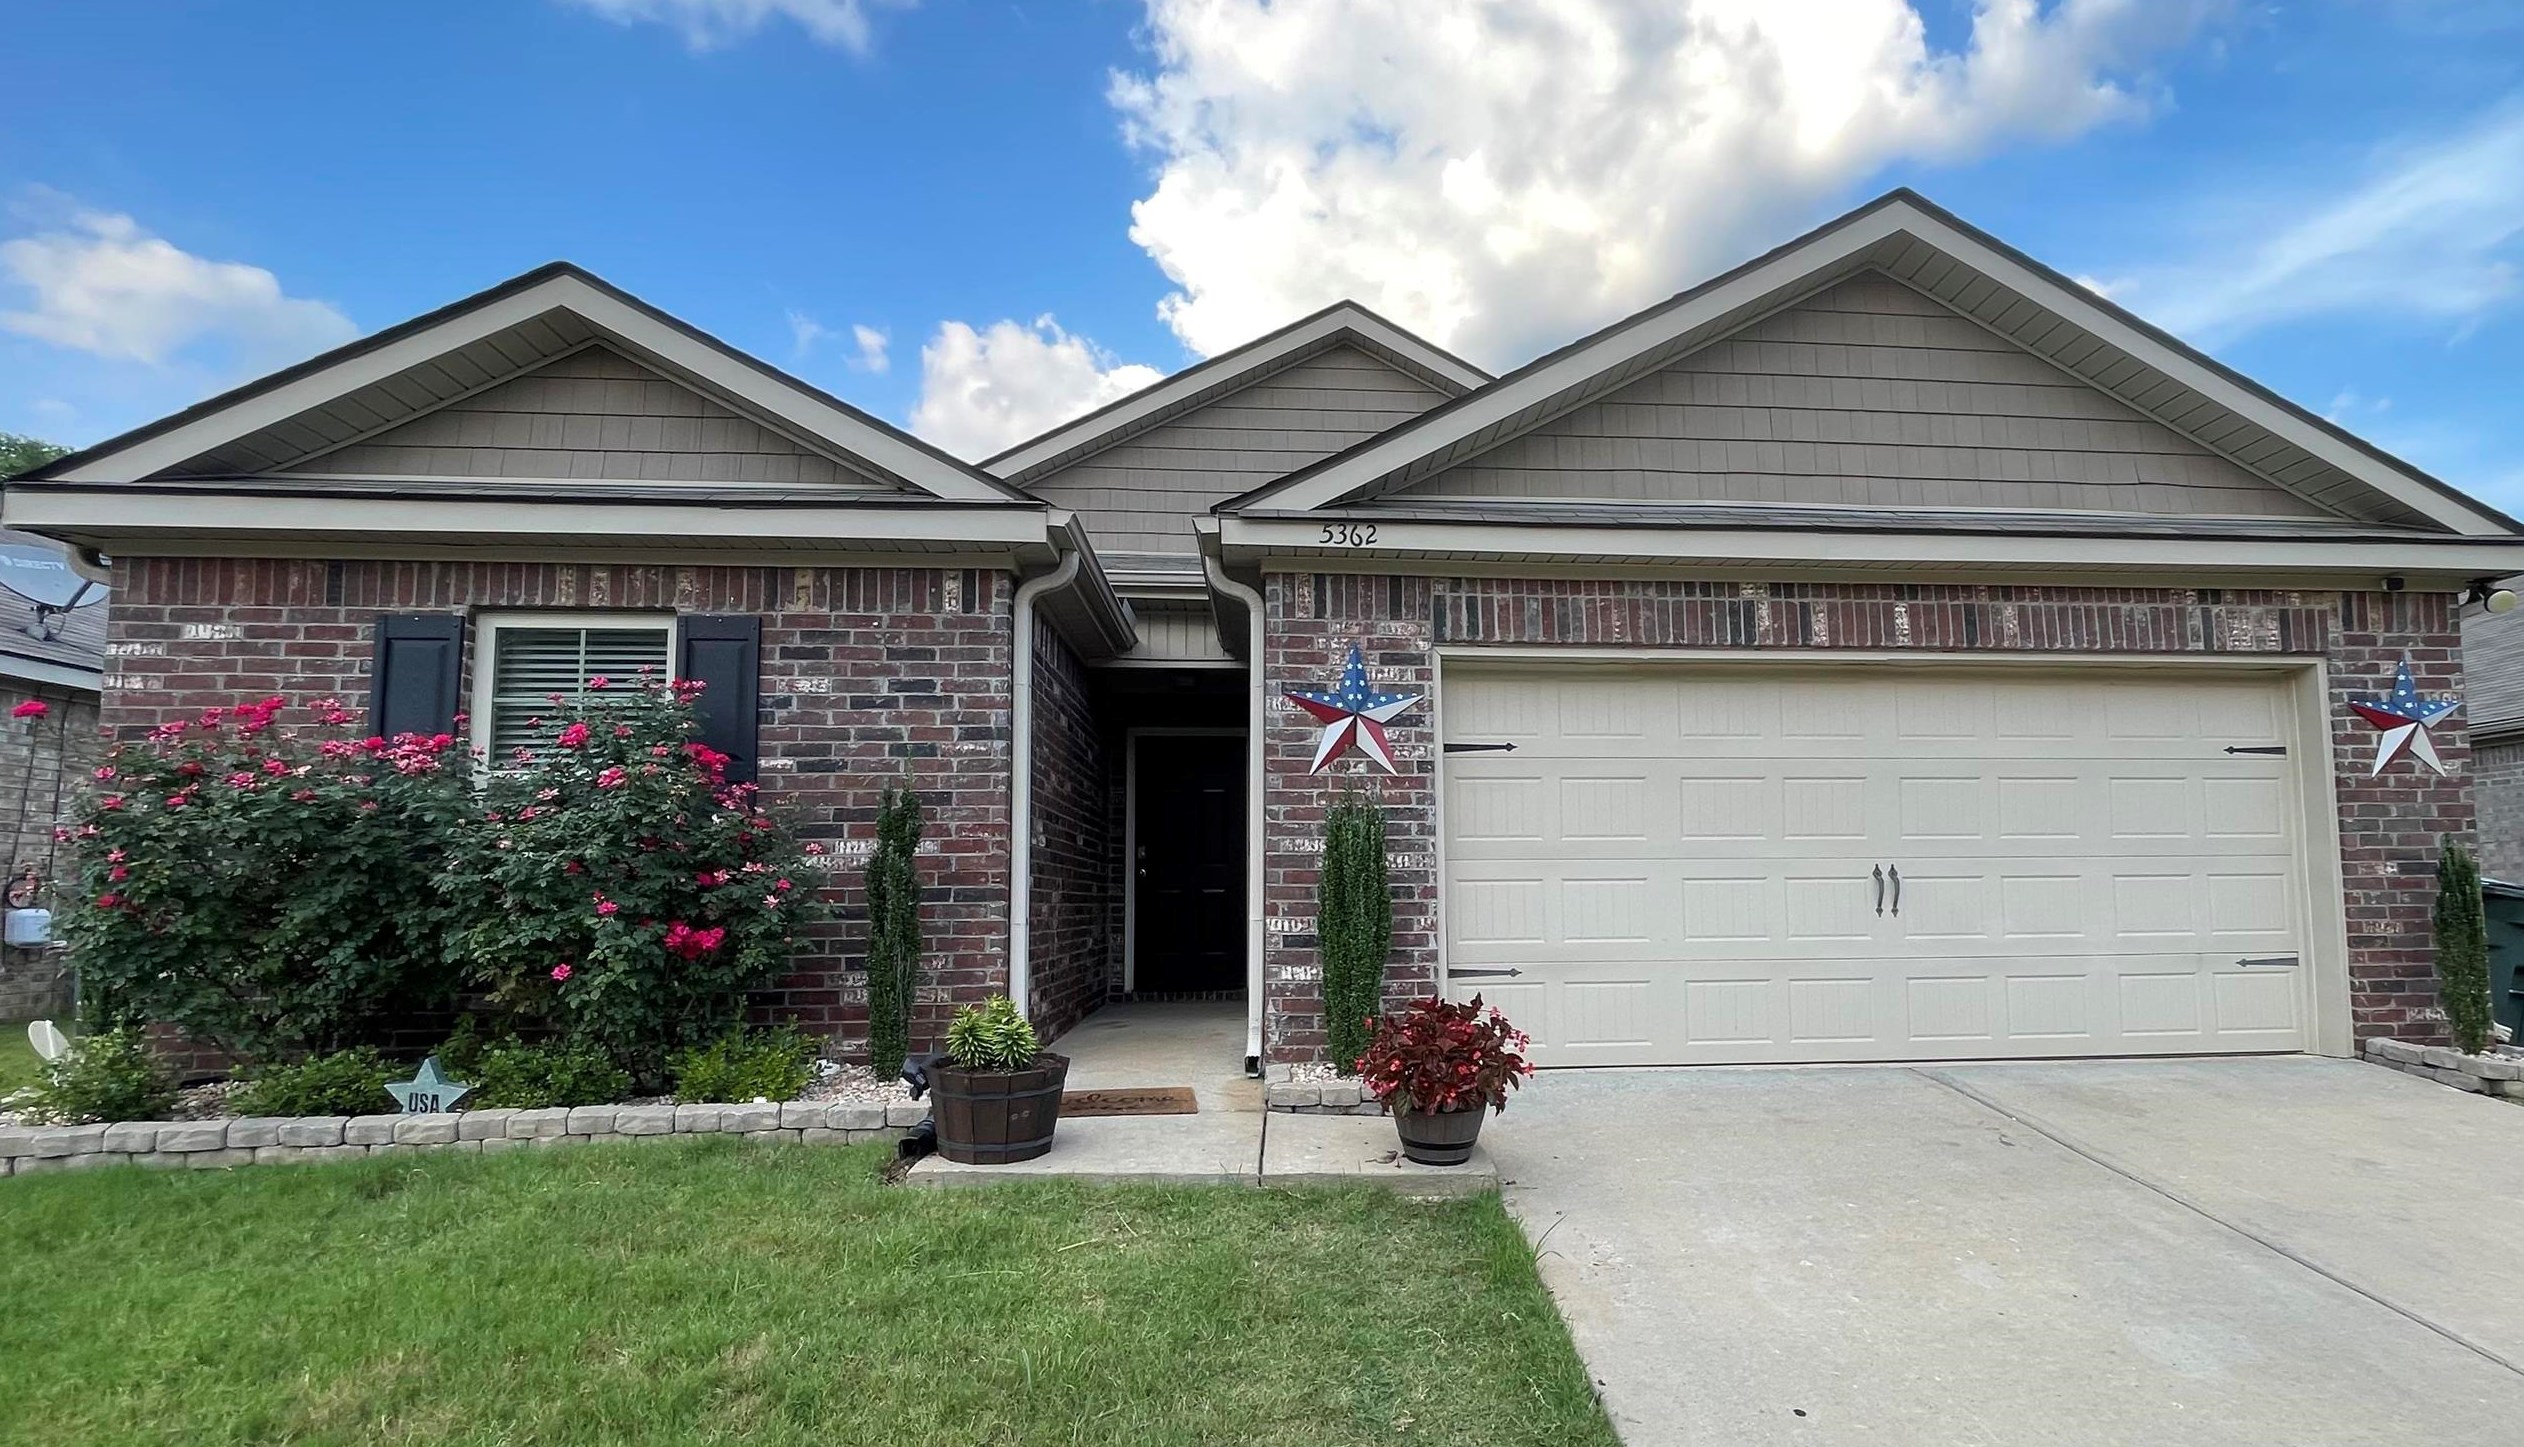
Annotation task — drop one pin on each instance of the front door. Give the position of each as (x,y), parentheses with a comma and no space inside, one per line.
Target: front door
(1187,864)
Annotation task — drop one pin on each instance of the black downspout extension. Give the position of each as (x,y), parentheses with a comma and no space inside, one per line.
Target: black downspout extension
(923,1139)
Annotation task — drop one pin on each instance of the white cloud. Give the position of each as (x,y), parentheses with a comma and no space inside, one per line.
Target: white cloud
(983,391)
(98,283)
(872,344)
(805,332)
(2433,232)
(709,24)
(1499,174)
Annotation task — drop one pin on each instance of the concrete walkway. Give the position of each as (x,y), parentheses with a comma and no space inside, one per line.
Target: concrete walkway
(2253,1251)
(1230,1141)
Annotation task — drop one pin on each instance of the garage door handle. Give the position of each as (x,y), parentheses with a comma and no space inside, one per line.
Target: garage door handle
(1482,974)
(1897,890)
(2269,962)
(1879,889)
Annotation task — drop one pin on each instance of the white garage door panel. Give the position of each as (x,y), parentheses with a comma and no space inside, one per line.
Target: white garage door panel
(1682,866)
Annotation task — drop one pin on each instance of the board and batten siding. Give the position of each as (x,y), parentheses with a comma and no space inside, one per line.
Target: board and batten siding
(593,415)
(1140,496)
(1867,393)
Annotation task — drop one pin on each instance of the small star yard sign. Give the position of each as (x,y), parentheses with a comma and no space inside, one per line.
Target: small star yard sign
(427,1091)
(2403,719)
(1353,716)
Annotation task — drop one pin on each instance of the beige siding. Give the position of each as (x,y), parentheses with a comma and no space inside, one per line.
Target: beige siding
(596,415)
(1176,632)
(1869,393)
(1141,496)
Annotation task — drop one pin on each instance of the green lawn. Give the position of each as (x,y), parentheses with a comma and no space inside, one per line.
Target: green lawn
(716,1291)
(19,1065)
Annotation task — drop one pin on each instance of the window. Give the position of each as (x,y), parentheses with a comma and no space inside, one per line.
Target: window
(526,658)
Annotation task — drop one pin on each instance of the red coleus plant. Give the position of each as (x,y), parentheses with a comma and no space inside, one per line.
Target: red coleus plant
(1440,1055)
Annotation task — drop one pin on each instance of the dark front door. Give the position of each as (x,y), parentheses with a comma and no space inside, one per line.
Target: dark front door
(1187,806)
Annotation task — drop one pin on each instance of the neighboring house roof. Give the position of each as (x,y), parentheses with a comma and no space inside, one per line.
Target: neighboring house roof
(2493,671)
(2248,429)
(61,647)
(1343,323)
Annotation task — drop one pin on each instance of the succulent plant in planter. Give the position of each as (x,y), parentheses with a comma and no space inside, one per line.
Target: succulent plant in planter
(995,1093)
(1436,1064)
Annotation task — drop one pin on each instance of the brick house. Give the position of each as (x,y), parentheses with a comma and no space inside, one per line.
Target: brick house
(1888,649)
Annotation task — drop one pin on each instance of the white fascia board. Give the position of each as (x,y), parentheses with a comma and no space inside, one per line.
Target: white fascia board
(169,522)
(56,675)
(1363,466)
(1402,546)
(720,369)
(1257,357)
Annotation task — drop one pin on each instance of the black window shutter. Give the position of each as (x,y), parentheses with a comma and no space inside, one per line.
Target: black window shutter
(723,651)
(413,673)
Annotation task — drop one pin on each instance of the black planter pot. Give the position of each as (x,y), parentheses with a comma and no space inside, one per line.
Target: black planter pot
(993,1117)
(1439,1137)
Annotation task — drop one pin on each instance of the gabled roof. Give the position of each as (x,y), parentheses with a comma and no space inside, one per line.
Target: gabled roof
(1927,248)
(1341,324)
(380,381)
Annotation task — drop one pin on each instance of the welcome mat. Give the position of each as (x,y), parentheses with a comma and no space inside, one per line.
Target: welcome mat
(1148,1100)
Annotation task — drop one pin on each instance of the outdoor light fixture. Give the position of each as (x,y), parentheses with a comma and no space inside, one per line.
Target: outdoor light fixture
(2488,595)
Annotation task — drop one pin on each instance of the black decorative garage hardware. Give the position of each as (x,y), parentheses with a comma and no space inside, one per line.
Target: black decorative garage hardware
(1480,748)
(1482,974)
(2278,749)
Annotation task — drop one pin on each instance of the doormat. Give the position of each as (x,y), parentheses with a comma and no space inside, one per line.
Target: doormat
(1149,1100)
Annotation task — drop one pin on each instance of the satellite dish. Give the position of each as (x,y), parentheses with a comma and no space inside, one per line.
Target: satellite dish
(42,575)
(47,1039)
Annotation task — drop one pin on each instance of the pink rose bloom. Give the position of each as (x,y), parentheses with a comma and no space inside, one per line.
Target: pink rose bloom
(575,736)
(111,801)
(611,778)
(560,972)
(108,900)
(607,907)
(772,900)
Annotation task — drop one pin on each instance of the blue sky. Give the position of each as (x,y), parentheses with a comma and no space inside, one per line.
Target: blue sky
(891,197)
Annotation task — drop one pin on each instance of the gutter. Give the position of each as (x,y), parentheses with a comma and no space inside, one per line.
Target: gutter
(1257,721)
(1021,777)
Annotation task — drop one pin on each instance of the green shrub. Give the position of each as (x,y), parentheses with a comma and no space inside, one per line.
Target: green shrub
(1353,926)
(992,1036)
(347,1082)
(515,1075)
(265,883)
(2462,950)
(747,1065)
(619,892)
(112,1075)
(893,930)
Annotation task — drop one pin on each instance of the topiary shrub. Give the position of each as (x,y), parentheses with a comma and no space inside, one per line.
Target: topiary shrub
(619,892)
(893,886)
(992,1036)
(267,888)
(2462,950)
(111,1075)
(745,1065)
(347,1082)
(1353,926)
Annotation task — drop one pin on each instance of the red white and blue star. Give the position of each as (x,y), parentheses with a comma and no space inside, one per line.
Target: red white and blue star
(2404,717)
(1354,716)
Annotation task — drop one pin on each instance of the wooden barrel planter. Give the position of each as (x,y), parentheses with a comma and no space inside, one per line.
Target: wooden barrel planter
(1439,1137)
(993,1117)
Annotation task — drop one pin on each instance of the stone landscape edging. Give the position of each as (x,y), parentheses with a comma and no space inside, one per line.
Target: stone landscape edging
(282,1140)
(2499,1074)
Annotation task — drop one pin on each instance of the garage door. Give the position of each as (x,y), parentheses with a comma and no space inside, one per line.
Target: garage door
(1844,863)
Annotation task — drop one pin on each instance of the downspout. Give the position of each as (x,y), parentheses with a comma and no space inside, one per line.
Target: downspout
(1257,720)
(1021,779)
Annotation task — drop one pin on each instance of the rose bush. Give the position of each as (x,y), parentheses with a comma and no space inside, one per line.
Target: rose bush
(265,878)
(616,890)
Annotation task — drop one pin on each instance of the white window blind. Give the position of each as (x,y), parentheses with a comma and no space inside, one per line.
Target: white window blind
(530,663)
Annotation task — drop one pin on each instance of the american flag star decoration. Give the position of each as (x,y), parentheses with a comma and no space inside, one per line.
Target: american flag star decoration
(1353,716)
(2403,718)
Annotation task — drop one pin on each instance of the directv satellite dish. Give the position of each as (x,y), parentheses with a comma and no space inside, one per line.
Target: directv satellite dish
(47,1039)
(41,575)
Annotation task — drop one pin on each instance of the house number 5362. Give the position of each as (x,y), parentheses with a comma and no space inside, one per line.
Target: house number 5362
(1349,535)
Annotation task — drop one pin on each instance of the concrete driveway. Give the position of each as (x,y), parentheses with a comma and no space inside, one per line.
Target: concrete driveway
(2247,1251)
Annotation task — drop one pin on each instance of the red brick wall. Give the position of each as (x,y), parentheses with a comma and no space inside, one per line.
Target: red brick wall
(1069,950)
(868,675)
(2390,827)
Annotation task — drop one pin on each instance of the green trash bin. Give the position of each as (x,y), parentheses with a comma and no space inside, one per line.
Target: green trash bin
(2503,904)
